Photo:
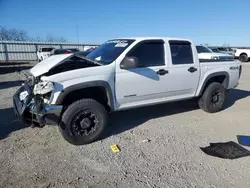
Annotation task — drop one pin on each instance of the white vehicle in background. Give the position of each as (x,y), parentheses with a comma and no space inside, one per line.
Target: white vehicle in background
(44,52)
(226,50)
(206,53)
(242,54)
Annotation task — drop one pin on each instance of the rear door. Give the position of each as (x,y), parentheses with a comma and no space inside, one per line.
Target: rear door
(184,70)
(146,83)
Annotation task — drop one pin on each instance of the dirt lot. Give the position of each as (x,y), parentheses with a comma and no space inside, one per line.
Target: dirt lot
(33,157)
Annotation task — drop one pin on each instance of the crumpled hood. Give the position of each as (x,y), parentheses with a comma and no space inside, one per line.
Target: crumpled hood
(45,65)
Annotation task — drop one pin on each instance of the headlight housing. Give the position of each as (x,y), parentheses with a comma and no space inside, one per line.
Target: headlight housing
(43,87)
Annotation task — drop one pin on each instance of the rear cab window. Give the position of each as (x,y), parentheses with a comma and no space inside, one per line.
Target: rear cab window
(181,52)
(47,49)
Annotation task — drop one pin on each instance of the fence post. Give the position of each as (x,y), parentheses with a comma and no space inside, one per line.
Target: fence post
(2,52)
(60,46)
(5,52)
(36,48)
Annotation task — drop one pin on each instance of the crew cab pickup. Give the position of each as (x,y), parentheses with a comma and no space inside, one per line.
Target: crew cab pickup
(242,54)
(78,93)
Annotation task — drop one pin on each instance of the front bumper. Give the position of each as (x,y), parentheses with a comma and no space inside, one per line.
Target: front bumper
(32,111)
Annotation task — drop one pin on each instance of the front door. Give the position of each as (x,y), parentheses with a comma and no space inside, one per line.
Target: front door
(147,82)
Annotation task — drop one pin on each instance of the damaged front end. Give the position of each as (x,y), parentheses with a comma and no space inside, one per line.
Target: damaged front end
(31,103)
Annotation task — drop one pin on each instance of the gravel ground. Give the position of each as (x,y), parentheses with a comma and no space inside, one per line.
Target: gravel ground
(170,156)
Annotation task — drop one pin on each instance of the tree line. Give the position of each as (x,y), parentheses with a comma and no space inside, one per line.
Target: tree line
(12,34)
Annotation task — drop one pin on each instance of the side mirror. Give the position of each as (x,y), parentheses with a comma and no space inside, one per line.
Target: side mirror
(129,63)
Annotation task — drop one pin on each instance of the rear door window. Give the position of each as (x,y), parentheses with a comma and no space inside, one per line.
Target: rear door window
(181,52)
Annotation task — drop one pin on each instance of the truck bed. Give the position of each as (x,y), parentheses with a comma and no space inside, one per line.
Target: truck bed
(220,66)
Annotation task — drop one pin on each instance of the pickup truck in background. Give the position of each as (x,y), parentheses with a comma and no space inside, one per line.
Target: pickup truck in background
(207,53)
(226,50)
(242,54)
(78,93)
(64,51)
(44,52)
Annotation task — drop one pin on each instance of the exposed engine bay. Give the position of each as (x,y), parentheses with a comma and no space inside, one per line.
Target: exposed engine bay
(75,62)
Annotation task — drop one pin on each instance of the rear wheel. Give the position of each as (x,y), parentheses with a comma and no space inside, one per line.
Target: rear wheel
(213,98)
(243,58)
(83,122)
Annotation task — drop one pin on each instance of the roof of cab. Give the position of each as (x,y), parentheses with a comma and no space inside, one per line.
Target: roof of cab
(154,38)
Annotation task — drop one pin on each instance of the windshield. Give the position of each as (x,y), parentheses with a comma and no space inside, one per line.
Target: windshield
(222,49)
(214,49)
(203,49)
(109,51)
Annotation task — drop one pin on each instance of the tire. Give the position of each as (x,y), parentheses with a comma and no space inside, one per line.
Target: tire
(82,116)
(243,58)
(213,98)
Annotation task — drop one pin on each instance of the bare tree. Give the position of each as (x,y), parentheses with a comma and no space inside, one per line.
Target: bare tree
(51,38)
(21,35)
(13,34)
(62,39)
(36,39)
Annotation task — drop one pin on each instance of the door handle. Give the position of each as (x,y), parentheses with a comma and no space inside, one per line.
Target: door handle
(162,72)
(192,69)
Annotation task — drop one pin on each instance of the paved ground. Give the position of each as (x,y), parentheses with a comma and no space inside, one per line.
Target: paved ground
(33,157)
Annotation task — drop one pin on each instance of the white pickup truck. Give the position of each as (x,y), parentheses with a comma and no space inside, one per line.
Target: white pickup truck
(78,92)
(206,53)
(242,54)
(44,53)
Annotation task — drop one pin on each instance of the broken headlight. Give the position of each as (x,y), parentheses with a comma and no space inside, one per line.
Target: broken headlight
(42,88)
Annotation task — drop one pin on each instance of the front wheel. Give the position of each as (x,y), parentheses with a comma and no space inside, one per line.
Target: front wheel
(83,122)
(213,98)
